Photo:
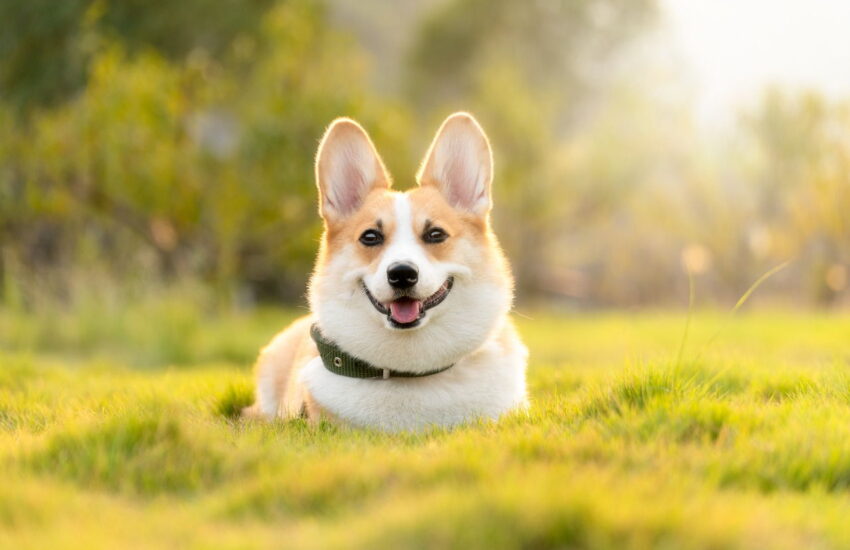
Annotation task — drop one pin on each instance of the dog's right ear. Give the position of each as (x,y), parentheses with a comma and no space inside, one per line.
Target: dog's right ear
(347,168)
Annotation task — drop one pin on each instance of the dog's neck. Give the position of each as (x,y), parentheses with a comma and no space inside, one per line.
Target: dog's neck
(340,362)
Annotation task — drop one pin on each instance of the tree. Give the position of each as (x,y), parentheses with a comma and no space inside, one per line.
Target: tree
(46,47)
(529,70)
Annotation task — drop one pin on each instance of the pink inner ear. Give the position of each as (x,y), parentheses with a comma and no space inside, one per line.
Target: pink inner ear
(459,188)
(351,192)
(460,182)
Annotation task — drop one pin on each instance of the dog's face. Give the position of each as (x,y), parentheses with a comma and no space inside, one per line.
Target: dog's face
(409,281)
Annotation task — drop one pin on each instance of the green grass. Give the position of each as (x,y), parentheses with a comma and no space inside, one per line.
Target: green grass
(118,432)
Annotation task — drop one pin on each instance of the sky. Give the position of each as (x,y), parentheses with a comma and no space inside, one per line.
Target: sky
(733,49)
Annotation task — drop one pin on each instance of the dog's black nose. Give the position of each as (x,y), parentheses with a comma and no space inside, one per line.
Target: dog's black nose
(402,275)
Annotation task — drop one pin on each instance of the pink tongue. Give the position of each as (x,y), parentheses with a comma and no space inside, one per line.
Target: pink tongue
(405,310)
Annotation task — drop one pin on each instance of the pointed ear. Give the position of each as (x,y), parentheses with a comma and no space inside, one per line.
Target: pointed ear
(460,164)
(347,169)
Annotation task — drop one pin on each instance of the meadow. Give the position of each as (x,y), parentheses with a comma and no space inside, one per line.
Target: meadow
(158,220)
(120,429)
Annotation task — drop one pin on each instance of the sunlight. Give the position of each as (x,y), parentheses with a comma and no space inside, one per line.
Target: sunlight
(735,49)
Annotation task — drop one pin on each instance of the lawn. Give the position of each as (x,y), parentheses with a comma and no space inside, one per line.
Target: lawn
(119,431)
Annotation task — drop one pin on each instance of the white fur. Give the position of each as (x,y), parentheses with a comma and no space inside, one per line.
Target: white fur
(449,331)
(483,384)
(469,329)
(406,247)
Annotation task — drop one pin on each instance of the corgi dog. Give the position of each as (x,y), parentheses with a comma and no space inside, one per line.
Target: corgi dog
(409,299)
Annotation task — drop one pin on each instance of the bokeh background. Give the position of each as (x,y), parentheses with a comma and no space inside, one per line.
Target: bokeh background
(153,148)
(657,161)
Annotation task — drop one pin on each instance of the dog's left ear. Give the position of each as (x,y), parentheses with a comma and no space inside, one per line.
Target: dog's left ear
(460,164)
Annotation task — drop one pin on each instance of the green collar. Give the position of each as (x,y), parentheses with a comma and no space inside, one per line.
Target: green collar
(339,362)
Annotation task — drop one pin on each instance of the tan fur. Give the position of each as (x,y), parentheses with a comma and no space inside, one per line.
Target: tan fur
(293,348)
(377,207)
(430,207)
(280,361)
(470,243)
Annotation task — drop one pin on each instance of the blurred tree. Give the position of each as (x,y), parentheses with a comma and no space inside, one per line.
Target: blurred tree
(528,70)
(802,174)
(554,44)
(153,142)
(386,31)
(42,50)
(190,167)
(46,46)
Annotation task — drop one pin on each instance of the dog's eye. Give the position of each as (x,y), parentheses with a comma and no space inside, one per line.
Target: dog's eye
(435,235)
(372,237)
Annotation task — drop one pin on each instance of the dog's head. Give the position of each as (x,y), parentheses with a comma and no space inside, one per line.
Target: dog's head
(415,280)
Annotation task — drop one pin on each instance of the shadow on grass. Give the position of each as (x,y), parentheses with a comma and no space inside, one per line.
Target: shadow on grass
(234,399)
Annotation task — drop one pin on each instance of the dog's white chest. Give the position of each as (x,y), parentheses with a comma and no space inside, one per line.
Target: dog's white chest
(484,384)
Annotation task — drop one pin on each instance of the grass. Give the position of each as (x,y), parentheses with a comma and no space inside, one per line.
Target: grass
(119,432)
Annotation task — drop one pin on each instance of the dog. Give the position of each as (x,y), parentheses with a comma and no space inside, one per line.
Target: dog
(410,296)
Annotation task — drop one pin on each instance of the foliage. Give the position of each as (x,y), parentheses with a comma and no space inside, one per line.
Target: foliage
(550,43)
(151,145)
(48,49)
(802,164)
(523,68)
(193,168)
(620,449)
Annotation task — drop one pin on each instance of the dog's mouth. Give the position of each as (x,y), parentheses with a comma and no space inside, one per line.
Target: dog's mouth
(407,311)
